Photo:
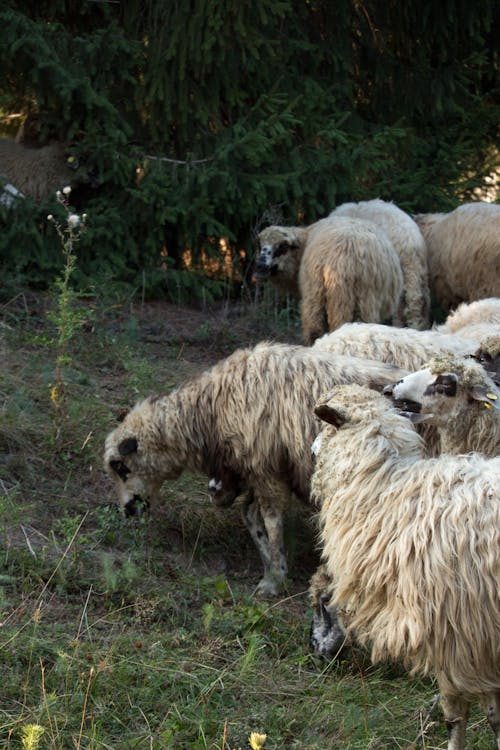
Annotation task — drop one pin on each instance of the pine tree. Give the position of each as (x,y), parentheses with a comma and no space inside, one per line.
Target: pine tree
(201,117)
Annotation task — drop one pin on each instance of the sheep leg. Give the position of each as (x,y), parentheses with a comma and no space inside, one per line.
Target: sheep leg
(491,706)
(272,515)
(456,711)
(252,519)
(312,312)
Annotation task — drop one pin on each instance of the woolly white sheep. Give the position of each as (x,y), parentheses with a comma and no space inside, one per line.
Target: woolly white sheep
(412,545)
(463,250)
(407,240)
(250,419)
(459,398)
(481,312)
(456,397)
(404,347)
(36,172)
(347,270)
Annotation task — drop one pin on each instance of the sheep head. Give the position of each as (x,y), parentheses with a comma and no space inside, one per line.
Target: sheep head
(139,455)
(437,392)
(225,487)
(279,254)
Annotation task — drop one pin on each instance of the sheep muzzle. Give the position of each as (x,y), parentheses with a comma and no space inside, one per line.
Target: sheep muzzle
(136,507)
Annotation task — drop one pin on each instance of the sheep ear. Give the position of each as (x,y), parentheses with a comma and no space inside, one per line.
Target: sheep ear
(128,446)
(332,416)
(479,393)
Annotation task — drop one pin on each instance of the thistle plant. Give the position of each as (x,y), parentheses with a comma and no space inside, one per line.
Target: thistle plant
(66,318)
(30,736)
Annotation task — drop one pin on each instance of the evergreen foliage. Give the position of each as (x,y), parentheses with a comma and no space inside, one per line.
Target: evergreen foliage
(197,118)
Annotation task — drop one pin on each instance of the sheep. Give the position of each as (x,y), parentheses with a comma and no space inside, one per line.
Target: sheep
(463,249)
(228,422)
(459,398)
(404,347)
(412,546)
(481,312)
(408,242)
(479,331)
(36,172)
(347,270)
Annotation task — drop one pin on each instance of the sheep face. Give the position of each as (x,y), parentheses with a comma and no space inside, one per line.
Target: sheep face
(327,634)
(278,254)
(225,488)
(139,457)
(431,394)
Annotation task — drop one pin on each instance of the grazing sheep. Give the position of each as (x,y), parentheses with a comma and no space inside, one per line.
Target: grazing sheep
(481,312)
(347,270)
(463,249)
(459,398)
(249,419)
(36,172)
(404,347)
(407,240)
(412,545)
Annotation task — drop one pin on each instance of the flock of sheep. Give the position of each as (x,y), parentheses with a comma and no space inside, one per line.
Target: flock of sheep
(390,432)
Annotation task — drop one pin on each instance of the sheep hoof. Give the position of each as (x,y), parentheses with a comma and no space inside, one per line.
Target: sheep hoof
(267,587)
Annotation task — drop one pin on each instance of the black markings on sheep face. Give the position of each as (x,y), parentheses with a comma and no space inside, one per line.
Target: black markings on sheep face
(266,264)
(128,446)
(406,407)
(119,468)
(490,363)
(224,491)
(445,385)
(136,507)
(327,637)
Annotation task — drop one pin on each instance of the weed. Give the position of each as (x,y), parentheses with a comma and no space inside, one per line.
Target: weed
(66,317)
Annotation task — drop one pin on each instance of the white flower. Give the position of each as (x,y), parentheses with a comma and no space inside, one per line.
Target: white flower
(58,195)
(50,217)
(73,221)
(67,190)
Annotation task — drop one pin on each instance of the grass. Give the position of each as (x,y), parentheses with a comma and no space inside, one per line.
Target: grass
(124,634)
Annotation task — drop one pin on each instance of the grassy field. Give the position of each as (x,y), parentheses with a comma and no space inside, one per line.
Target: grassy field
(146,634)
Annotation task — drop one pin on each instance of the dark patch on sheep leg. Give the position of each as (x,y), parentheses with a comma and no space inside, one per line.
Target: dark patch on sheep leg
(272,515)
(456,711)
(252,519)
(491,706)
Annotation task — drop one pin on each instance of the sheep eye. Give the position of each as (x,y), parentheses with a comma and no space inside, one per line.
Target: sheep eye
(281,249)
(444,384)
(120,469)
